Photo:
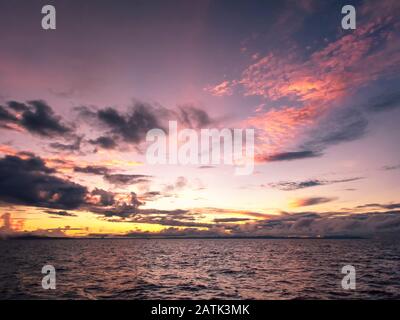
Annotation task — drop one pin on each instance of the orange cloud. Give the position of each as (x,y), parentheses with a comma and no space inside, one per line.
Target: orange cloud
(11,225)
(7,150)
(312,201)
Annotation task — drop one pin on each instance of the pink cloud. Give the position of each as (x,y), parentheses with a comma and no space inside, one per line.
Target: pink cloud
(318,84)
(222,89)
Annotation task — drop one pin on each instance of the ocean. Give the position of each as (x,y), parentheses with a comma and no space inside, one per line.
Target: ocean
(199,268)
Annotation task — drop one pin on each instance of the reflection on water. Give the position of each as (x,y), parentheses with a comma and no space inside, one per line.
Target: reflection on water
(199,269)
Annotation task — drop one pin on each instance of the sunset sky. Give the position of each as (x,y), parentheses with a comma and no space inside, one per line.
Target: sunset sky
(76,104)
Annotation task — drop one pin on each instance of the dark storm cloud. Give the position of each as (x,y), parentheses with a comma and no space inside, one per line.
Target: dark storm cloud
(36,117)
(17,106)
(96,170)
(29,182)
(293,185)
(104,142)
(32,164)
(106,197)
(40,119)
(26,180)
(133,125)
(287,156)
(126,179)
(6,116)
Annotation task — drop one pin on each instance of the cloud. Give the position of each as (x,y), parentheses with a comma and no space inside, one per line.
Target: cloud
(151,195)
(104,142)
(61,213)
(390,206)
(279,127)
(388,168)
(385,102)
(344,125)
(132,126)
(180,183)
(192,117)
(224,220)
(30,182)
(109,207)
(75,146)
(17,106)
(126,179)
(311,201)
(106,198)
(330,72)
(6,116)
(193,218)
(13,228)
(10,225)
(41,120)
(296,185)
(96,170)
(35,116)
(312,224)
(220,90)
(302,224)
(311,88)
(26,180)
(189,223)
(167,221)
(287,156)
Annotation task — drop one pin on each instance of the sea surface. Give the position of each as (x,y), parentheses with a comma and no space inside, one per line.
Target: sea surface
(199,269)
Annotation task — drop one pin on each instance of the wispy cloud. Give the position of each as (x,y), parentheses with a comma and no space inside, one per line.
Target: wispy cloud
(296,185)
(311,201)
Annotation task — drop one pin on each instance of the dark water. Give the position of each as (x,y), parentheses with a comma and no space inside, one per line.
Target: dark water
(199,269)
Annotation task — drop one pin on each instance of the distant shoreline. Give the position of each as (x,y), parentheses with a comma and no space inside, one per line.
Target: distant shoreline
(187,238)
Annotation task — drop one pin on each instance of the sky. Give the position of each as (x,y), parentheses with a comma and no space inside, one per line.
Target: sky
(77,102)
